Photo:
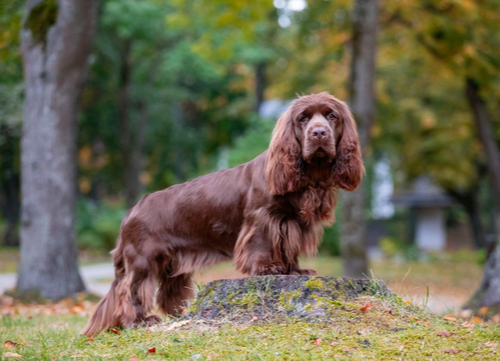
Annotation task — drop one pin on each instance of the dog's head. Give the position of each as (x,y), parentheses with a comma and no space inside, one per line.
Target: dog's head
(316,126)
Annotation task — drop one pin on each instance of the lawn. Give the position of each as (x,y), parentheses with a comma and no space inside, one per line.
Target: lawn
(389,330)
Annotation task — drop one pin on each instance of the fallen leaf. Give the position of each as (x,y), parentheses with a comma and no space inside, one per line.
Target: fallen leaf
(183,310)
(317,342)
(9,344)
(483,310)
(52,358)
(490,344)
(443,333)
(426,324)
(451,350)
(149,331)
(209,355)
(477,319)
(449,318)
(468,324)
(90,339)
(254,318)
(114,330)
(408,302)
(133,358)
(414,319)
(366,308)
(152,350)
(389,312)
(177,324)
(12,354)
(76,309)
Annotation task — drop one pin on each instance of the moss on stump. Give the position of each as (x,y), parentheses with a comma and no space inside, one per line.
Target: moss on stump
(273,298)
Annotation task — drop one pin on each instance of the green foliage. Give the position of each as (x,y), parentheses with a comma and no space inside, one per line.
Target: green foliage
(255,141)
(40,19)
(392,248)
(190,105)
(97,225)
(331,240)
(192,77)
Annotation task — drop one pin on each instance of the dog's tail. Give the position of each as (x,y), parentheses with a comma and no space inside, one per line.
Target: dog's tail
(107,314)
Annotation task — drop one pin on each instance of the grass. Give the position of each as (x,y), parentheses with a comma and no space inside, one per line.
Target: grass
(9,259)
(406,332)
(43,332)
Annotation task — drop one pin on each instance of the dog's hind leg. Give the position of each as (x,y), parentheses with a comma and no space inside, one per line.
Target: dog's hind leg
(137,291)
(173,292)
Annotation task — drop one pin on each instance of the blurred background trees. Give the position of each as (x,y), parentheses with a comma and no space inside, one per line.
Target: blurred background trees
(176,89)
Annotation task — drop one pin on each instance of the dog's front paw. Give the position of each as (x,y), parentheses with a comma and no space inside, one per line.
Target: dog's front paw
(271,269)
(152,320)
(307,272)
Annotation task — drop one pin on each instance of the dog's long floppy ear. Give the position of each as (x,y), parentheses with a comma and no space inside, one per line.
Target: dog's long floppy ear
(348,165)
(282,170)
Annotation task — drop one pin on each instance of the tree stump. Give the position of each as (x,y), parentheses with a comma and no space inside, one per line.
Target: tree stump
(274,298)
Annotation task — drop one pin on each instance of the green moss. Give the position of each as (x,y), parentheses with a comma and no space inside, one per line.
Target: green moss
(334,303)
(248,300)
(251,284)
(314,284)
(40,19)
(286,299)
(230,294)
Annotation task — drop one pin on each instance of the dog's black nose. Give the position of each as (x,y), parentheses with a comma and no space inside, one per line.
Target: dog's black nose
(319,133)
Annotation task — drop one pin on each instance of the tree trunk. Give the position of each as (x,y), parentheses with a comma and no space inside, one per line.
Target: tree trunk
(486,136)
(9,186)
(131,142)
(177,115)
(469,199)
(260,84)
(488,293)
(362,101)
(56,40)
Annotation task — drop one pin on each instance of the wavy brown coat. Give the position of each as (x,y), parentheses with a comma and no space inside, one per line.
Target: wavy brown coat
(263,214)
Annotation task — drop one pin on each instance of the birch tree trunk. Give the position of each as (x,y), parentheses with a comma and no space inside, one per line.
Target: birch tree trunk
(56,40)
(362,102)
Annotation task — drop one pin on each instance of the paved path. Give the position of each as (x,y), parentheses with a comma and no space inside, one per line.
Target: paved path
(91,277)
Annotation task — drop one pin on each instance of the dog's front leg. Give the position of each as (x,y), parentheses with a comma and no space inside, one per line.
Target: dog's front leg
(255,256)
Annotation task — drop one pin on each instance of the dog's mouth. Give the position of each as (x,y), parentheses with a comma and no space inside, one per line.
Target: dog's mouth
(319,153)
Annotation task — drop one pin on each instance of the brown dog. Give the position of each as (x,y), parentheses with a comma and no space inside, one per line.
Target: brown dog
(263,214)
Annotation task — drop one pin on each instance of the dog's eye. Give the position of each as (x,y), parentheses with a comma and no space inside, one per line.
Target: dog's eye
(303,119)
(332,116)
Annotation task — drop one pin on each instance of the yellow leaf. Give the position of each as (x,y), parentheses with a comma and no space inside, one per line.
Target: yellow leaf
(9,344)
(477,319)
